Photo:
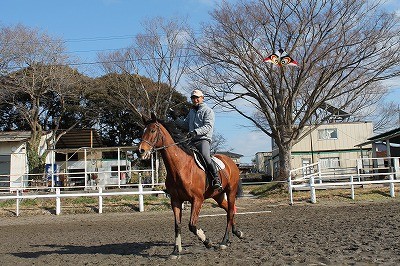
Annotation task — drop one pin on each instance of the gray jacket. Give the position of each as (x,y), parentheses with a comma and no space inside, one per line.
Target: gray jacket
(201,121)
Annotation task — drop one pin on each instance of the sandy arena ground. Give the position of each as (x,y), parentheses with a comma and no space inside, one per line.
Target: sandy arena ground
(303,234)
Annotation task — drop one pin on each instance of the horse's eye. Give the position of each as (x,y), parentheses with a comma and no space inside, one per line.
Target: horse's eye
(152,130)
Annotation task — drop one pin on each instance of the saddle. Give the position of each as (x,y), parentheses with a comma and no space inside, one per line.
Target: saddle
(199,159)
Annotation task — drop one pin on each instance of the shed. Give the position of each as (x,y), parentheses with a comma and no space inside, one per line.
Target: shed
(390,139)
(13,161)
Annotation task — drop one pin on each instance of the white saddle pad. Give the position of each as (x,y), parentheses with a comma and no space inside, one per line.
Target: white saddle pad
(219,164)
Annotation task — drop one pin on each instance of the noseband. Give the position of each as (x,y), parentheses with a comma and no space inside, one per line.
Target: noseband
(152,145)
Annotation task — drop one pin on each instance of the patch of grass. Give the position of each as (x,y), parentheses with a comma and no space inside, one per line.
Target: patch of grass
(6,203)
(268,189)
(84,200)
(29,202)
(119,199)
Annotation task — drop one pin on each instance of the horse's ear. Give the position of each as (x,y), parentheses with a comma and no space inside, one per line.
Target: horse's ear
(153,116)
(144,118)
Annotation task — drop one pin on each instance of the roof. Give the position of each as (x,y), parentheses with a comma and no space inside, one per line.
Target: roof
(335,111)
(78,138)
(14,136)
(392,135)
(230,154)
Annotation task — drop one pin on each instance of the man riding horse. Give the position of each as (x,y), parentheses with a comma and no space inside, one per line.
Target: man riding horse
(200,124)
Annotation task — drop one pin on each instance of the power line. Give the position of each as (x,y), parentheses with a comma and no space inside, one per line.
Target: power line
(101,38)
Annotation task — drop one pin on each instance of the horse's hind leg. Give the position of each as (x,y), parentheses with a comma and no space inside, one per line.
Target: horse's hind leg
(229,207)
(194,216)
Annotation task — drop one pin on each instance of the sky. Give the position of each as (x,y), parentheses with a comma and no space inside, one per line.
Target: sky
(92,26)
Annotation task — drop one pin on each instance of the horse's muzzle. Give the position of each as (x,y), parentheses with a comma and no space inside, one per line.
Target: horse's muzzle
(144,155)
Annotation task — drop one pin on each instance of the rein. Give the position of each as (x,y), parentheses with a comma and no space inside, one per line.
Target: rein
(153,149)
(167,146)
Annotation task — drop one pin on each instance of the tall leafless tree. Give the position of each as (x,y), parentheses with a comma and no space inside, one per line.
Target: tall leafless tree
(161,53)
(385,116)
(38,86)
(344,50)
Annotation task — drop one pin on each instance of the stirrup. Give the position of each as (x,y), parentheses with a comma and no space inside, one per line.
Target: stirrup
(216,184)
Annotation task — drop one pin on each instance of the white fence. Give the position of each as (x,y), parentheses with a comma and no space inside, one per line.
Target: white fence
(366,171)
(57,194)
(79,171)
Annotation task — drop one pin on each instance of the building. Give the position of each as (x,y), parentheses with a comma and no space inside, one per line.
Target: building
(262,162)
(234,156)
(13,160)
(385,152)
(334,145)
(78,159)
(386,144)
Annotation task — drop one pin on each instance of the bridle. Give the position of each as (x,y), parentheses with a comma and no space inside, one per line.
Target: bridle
(158,136)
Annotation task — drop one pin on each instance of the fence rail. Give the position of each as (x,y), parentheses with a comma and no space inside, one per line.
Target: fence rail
(58,195)
(313,177)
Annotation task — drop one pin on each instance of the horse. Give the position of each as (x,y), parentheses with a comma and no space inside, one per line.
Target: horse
(186,181)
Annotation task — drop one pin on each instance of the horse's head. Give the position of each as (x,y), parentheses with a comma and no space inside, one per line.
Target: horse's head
(151,138)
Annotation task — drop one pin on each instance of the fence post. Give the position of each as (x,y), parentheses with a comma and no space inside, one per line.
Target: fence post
(58,201)
(290,189)
(312,190)
(319,173)
(396,167)
(359,168)
(392,193)
(352,187)
(100,200)
(141,204)
(17,202)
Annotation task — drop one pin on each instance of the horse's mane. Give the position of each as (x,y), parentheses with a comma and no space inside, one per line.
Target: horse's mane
(176,133)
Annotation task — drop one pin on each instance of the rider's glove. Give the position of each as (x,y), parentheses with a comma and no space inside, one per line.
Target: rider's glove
(191,134)
(172,113)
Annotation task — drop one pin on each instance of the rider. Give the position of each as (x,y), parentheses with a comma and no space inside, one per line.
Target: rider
(200,123)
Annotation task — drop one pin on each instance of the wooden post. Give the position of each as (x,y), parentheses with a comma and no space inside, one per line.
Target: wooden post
(141,203)
(312,190)
(392,192)
(58,201)
(290,189)
(100,200)
(17,202)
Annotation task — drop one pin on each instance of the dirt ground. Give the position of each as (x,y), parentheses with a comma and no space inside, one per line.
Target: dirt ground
(362,233)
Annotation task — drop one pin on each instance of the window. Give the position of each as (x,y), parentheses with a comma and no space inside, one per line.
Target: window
(327,133)
(305,162)
(114,170)
(331,162)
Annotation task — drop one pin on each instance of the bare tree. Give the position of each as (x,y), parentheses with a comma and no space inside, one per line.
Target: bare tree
(161,54)
(343,48)
(385,116)
(217,143)
(37,86)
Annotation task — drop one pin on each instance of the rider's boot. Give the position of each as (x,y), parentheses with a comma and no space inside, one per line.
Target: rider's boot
(216,182)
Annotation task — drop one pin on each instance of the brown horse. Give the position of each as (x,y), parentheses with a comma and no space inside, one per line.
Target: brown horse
(186,181)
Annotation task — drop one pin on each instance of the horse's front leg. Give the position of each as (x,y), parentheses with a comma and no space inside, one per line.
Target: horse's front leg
(194,217)
(177,209)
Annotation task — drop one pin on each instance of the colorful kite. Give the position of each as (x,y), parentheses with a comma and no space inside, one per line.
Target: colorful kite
(280,58)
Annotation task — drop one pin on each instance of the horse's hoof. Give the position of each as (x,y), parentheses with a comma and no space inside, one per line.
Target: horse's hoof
(208,243)
(239,234)
(174,256)
(223,247)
